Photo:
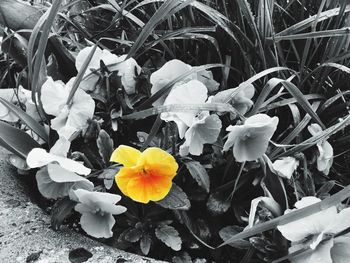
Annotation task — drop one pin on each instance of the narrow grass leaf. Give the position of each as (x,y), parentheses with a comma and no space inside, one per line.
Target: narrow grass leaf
(302,25)
(39,57)
(161,14)
(216,107)
(299,96)
(80,75)
(27,119)
(16,140)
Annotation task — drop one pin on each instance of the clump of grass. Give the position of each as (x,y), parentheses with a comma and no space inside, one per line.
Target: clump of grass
(294,53)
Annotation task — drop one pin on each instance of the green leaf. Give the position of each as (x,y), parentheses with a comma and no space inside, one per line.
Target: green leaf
(176,199)
(60,211)
(299,96)
(169,236)
(218,203)
(16,140)
(162,13)
(199,173)
(133,235)
(27,119)
(108,175)
(47,21)
(80,75)
(145,243)
(227,232)
(105,146)
(217,107)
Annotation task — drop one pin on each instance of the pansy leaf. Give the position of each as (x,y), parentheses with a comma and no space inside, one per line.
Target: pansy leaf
(218,203)
(176,199)
(60,211)
(133,235)
(105,146)
(325,189)
(184,258)
(18,162)
(145,243)
(229,231)
(108,175)
(169,236)
(199,173)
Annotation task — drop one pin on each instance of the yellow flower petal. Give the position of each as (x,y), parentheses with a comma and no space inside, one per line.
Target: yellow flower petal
(148,188)
(126,155)
(122,178)
(156,159)
(145,176)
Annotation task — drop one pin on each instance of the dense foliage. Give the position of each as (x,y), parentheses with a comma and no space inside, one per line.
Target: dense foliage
(206,121)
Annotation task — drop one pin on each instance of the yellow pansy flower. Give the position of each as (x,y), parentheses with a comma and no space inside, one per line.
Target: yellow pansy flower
(146,176)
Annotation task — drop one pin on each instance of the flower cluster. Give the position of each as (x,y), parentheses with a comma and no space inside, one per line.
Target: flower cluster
(319,232)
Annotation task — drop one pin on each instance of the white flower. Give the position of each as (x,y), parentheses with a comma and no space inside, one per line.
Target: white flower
(69,118)
(312,231)
(38,157)
(174,69)
(250,140)
(54,181)
(127,69)
(285,166)
(192,92)
(239,99)
(325,150)
(97,211)
(205,129)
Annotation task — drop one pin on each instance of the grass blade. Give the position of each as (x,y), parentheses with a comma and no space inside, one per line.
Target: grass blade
(27,119)
(161,14)
(16,140)
(217,107)
(80,75)
(39,58)
(299,96)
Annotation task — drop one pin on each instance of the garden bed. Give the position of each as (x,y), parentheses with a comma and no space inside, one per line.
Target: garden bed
(26,236)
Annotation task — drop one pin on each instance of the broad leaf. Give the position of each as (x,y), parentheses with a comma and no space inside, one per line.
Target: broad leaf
(108,175)
(176,199)
(169,236)
(218,203)
(199,173)
(134,234)
(227,232)
(145,243)
(60,211)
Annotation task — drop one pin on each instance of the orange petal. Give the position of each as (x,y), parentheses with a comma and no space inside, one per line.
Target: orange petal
(159,161)
(126,155)
(123,177)
(148,188)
